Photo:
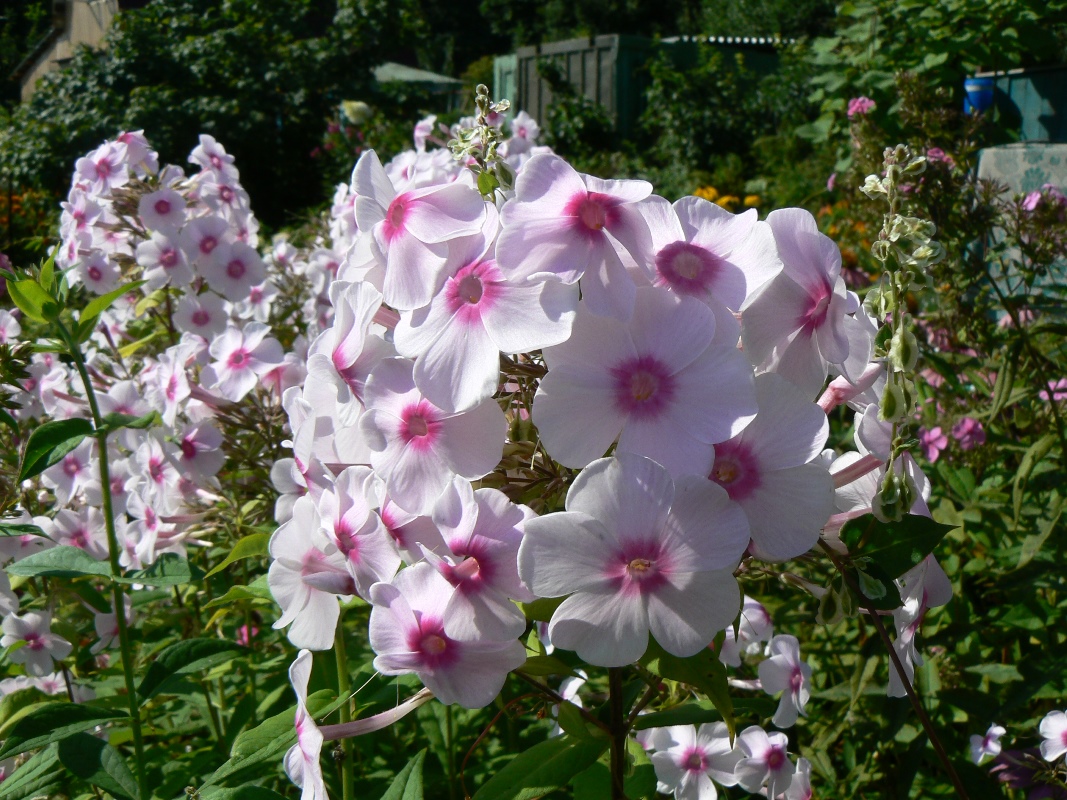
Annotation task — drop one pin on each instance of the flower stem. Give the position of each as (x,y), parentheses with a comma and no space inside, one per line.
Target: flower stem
(344,689)
(618,734)
(118,594)
(924,719)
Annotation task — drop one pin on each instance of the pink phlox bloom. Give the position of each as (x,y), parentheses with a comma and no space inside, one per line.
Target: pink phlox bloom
(164,262)
(325,433)
(969,433)
(357,532)
(524,134)
(98,273)
(205,315)
(424,129)
(407,631)
(106,624)
(345,353)
(932,441)
(258,304)
(637,552)
(800,322)
(301,762)
(104,169)
(568,690)
(690,761)
(167,387)
(415,169)
(201,449)
(42,648)
(16,548)
(988,746)
(289,484)
(9,327)
(482,530)
(859,106)
(211,155)
(202,236)
(565,226)
(232,269)
(70,475)
(225,197)
(306,576)
(123,397)
(704,251)
(162,210)
(787,673)
(139,153)
(1053,728)
(416,447)
(410,229)
(800,785)
(765,761)
(80,213)
(771,470)
(457,339)
(753,628)
(9,601)
(83,528)
(241,357)
(1057,391)
(154,473)
(413,534)
(673,390)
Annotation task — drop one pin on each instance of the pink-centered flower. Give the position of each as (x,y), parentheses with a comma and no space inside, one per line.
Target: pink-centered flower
(562,225)
(301,762)
(969,433)
(457,339)
(988,746)
(408,632)
(787,673)
(859,106)
(1054,730)
(661,384)
(42,648)
(932,441)
(241,356)
(695,760)
(765,761)
(636,552)
(416,447)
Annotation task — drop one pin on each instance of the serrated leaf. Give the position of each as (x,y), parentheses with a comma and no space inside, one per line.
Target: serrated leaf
(702,671)
(895,547)
(38,777)
(95,307)
(248,547)
(182,658)
(62,561)
(99,763)
(53,722)
(407,785)
(544,767)
(50,442)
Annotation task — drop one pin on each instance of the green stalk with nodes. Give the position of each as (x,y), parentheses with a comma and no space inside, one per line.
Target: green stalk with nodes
(478,146)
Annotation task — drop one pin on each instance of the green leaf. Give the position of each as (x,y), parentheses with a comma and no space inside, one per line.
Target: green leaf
(695,713)
(53,722)
(62,561)
(181,658)
(249,547)
(97,762)
(541,610)
(21,529)
(128,350)
(997,673)
(15,706)
(114,421)
(879,591)
(10,421)
(1033,456)
(32,300)
(895,547)
(541,666)
(95,307)
(407,785)
(49,443)
(48,271)
(638,782)
(544,767)
(38,777)
(240,793)
(1033,543)
(702,671)
(239,593)
(170,569)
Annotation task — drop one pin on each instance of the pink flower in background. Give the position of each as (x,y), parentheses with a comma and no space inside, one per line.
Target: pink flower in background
(936,155)
(765,761)
(969,433)
(988,746)
(1054,729)
(1057,390)
(787,673)
(932,442)
(693,758)
(831,182)
(860,106)
(302,763)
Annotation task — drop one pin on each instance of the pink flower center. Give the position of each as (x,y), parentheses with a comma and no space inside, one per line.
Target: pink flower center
(103,168)
(591,212)
(643,386)
(71,466)
(162,207)
(639,568)
(419,425)
(226,194)
(215,161)
(207,244)
(395,215)
(188,449)
(473,288)
(775,758)
(168,258)
(815,316)
(155,469)
(736,470)
(695,761)
(201,318)
(95,273)
(235,269)
(34,641)
(238,359)
(686,268)
(430,641)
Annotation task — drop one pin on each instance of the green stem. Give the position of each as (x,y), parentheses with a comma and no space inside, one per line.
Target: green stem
(118,594)
(451,755)
(924,719)
(618,734)
(344,689)
(212,714)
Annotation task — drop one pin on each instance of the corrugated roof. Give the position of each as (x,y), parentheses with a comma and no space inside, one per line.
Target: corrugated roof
(391,71)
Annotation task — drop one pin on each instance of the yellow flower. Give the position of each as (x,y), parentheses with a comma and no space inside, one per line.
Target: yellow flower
(751,200)
(728,201)
(708,193)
